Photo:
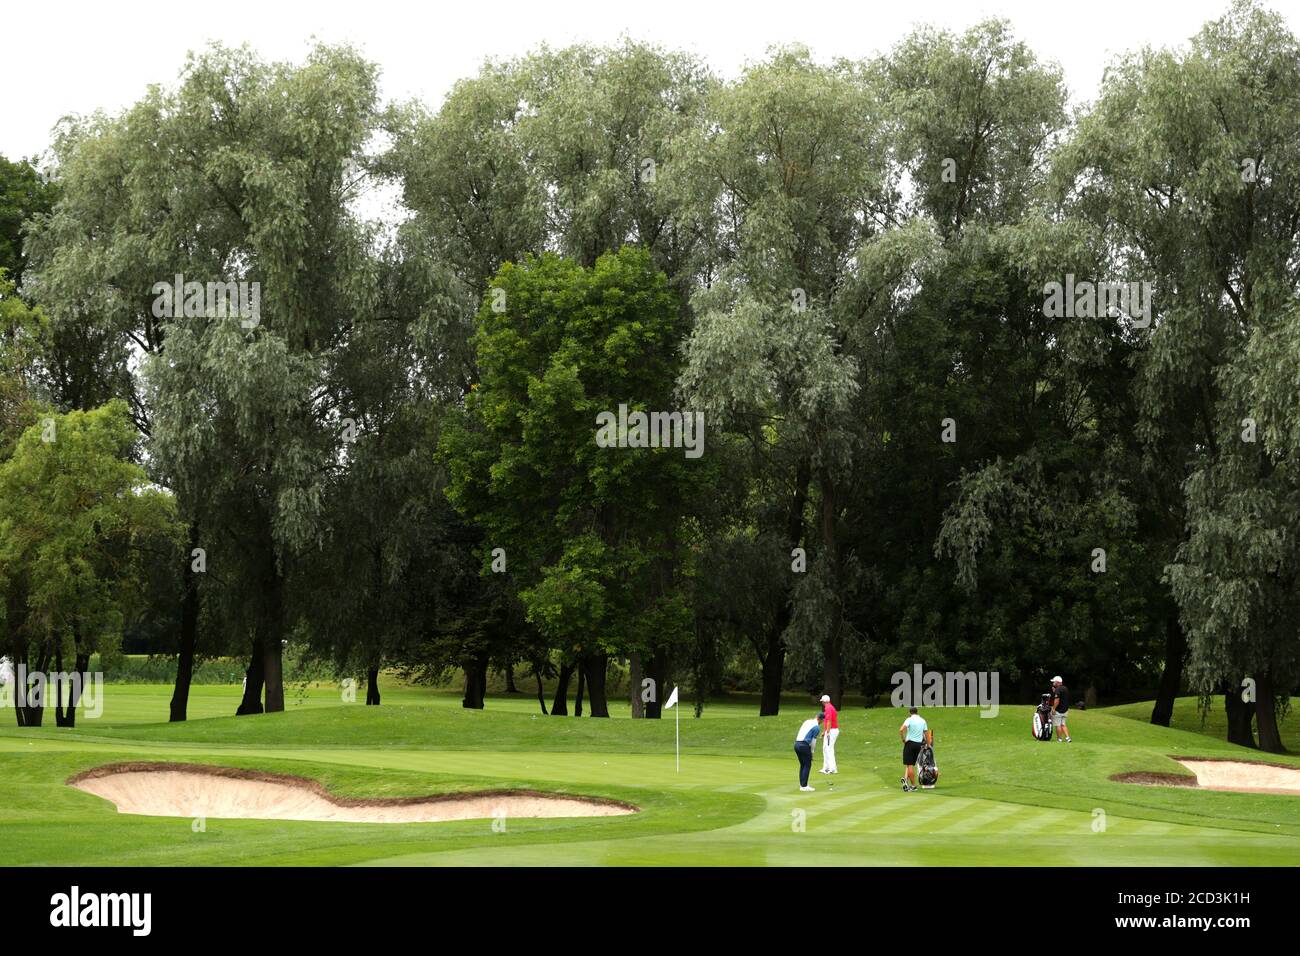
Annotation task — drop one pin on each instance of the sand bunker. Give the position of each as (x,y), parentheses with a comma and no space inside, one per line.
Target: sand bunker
(1243,776)
(195,790)
(1235,775)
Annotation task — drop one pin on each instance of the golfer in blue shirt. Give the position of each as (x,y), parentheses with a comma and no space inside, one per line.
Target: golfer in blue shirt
(804,741)
(914,732)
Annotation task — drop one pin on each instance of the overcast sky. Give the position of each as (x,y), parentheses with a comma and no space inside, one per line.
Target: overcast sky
(70,56)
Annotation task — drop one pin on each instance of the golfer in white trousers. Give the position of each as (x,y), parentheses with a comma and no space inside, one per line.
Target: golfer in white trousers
(831,731)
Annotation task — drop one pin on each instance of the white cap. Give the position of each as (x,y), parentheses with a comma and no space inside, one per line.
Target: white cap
(1057,680)
(826,698)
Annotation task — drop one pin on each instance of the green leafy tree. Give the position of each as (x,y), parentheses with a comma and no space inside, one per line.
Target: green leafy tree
(23,340)
(24,194)
(76,517)
(591,534)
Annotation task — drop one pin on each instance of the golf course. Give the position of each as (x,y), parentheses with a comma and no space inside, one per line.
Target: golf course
(1003,799)
(804,470)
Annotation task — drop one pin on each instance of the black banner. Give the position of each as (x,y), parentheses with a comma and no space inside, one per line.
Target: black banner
(944,905)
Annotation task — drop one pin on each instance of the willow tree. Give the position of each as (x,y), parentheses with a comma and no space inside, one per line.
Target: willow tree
(1187,164)
(241,175)
(374,588)
(128,216)
(789,172)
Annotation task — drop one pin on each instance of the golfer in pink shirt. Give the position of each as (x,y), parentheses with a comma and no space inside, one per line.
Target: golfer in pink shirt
(830,732)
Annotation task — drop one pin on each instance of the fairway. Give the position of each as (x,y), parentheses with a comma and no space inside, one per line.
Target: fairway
(1003,798)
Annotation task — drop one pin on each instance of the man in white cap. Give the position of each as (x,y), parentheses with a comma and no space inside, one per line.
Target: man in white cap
(830,730)
(1060,707)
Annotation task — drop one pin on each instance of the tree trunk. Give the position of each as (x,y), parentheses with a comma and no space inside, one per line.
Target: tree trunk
(20,671)
(16,615)
(1239,717)
(634,681)
(372,687)
(560,705)
(28,714)
(475,683)
(832,678)
(597,668)
(582,681)
(253,680)
(1172,677)
(659,673)
(541,696)
(20,713)
(189,634)
(773,673)
(273,673)
(1270,738)
(832,666)
(55,689)
(66,716)
(34,713)
(78,688)
(273,648)
(774,661)
(510,680)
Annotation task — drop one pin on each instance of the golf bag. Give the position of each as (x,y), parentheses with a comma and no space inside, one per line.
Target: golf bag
(1043,719)
(927,771)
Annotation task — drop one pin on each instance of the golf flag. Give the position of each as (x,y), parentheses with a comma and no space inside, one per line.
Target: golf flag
(668,704)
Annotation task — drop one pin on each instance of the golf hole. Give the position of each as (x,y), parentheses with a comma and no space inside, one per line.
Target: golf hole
(1239,776)
(227,793)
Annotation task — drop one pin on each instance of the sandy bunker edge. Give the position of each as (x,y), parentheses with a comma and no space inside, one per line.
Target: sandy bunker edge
(440,806)
(1241,777)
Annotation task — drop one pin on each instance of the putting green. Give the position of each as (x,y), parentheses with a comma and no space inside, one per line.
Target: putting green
(1003,799)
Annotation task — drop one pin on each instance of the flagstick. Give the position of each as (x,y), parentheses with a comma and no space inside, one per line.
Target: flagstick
(669,704)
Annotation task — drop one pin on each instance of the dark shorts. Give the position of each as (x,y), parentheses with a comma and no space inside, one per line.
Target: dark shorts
(911,750)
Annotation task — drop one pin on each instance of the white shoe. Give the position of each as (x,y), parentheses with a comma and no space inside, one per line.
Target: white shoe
(806,789)
(823,770)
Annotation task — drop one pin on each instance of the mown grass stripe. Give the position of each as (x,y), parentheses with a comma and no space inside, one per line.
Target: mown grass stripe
(902,808)
(979,820)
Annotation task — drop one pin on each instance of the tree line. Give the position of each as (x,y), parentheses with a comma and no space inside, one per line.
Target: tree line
(910,455)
